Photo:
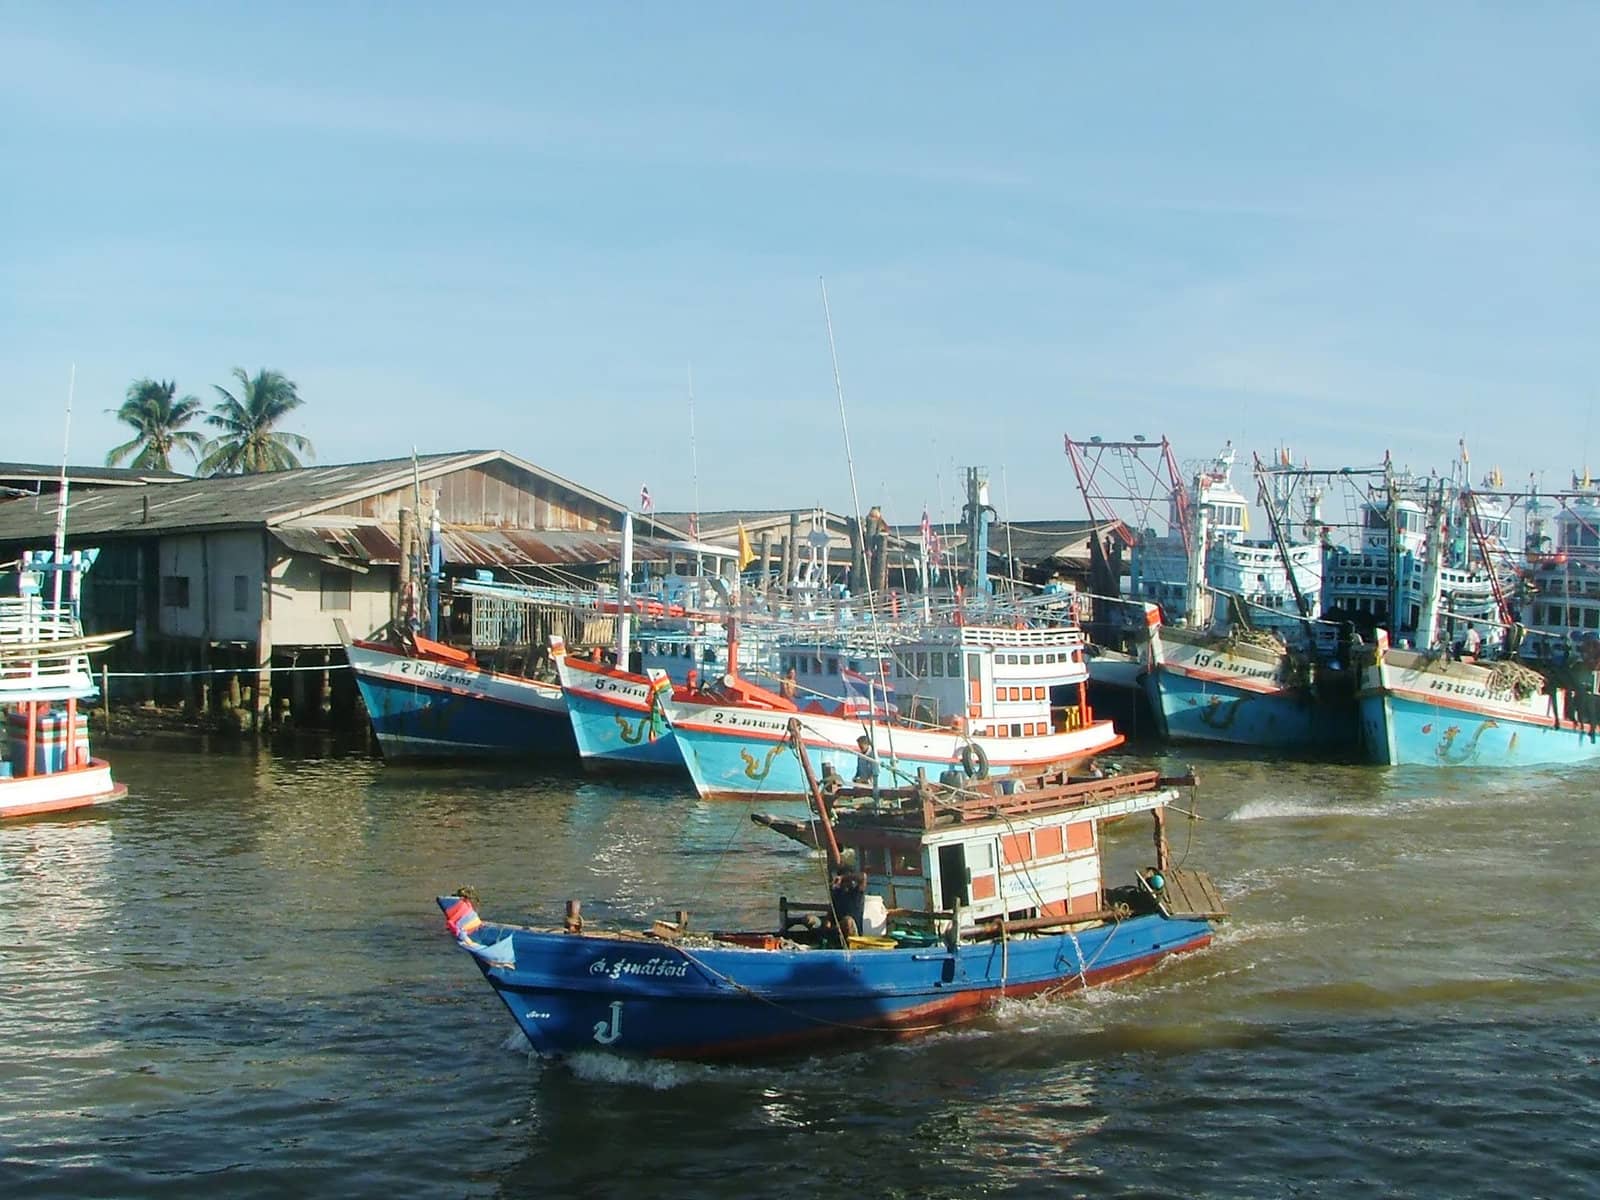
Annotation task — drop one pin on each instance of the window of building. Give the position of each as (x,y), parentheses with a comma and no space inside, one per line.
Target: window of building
(241,593)
(174,591)
(335,590)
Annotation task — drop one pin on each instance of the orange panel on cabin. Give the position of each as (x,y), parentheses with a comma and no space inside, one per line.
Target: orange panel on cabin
(1016,847)
(983,887)
(1056,908)
(1080,836)
(1088,902)
(1047,841)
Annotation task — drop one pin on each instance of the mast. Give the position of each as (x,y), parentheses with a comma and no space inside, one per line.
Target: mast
(1269,502)
(624,590)
(1432,576)
(978,514)
(59,564)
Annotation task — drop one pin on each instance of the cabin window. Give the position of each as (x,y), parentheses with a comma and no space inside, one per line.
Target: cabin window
(922,664)
(335,590)
(1016,730)
(905,862)
(999,695)
(952,876)
(833,666)
(175,591)
(952,665)
(938,665)
(241,593)
(1016,693)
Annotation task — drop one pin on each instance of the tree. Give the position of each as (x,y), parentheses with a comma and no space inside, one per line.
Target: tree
(248,442)
(159,419)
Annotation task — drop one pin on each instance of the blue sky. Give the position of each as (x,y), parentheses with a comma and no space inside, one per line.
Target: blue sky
(1345,229)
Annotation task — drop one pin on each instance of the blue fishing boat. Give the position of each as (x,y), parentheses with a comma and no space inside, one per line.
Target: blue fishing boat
(429,700)
(943,901)
(1527,693)
(616,715)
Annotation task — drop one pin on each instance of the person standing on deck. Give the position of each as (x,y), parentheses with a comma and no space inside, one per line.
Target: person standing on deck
(866,762)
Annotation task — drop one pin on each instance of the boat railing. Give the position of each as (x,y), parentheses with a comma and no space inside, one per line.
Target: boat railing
(29,619)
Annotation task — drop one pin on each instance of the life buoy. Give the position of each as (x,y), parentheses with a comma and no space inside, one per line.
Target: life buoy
(974,761)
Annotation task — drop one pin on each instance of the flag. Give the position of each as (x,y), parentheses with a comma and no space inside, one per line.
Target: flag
(866,694)
(694,527)
(644,498)
(746,554)
(927,529)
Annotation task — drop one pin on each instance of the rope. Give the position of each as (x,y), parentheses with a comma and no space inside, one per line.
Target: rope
(746,990)
(221,671)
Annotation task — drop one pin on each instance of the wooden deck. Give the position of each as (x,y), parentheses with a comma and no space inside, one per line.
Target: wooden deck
(1187,893)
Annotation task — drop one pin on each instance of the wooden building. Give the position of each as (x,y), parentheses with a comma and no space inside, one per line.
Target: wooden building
(249,572)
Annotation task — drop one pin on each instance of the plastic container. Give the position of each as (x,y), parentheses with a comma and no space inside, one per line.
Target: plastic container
(50,741)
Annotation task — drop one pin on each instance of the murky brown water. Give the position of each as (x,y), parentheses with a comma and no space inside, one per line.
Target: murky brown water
(236,982)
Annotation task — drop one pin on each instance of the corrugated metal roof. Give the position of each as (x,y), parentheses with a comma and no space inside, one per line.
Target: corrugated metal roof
(471,547)
(249,501)
(15,473)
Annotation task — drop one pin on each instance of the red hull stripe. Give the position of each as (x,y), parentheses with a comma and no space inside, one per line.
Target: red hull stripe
(952,1010)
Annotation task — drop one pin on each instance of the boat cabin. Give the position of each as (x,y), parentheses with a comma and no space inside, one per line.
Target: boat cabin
(1024,850)
(996,681)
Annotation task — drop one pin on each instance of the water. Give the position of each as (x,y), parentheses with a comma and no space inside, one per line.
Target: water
(236,983)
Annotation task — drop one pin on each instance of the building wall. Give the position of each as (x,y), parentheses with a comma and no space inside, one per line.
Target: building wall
(307,594)
(209,586)
(494,496)
(221,580)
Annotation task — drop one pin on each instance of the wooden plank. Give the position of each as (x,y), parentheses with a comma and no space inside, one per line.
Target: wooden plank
(1189,893)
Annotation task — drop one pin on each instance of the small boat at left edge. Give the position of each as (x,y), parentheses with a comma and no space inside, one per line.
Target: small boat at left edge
(44,673)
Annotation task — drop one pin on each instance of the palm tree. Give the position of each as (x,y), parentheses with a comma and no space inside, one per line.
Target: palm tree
(159,420)
(248,442)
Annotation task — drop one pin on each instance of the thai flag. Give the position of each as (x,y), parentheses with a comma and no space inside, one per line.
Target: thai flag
(644,498)
(864,694)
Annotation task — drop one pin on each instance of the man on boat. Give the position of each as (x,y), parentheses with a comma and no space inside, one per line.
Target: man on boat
(866,762)
(1470,643)
(848,896)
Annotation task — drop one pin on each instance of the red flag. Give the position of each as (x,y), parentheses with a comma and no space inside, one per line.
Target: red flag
(644,498)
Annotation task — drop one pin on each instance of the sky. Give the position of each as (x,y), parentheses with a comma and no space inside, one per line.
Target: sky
(599,236)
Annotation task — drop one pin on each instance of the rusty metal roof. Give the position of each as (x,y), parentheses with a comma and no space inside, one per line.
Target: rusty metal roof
(380,543)
(270,498)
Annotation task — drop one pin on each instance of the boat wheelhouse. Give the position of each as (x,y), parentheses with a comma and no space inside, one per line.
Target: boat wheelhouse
(969,698)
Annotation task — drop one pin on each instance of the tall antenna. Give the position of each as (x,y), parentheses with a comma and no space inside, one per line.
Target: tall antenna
(61,496)
(855,499)
(1011,552)
(838,388)
(694,455)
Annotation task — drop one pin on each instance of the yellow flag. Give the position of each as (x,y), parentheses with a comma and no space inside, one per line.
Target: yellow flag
(746,555)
